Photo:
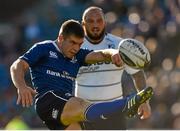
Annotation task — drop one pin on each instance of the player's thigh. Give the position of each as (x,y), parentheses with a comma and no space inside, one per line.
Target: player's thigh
(74,110)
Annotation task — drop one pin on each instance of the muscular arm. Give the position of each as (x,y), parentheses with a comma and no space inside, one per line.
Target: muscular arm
(17,70)
(104,55)
(25,93)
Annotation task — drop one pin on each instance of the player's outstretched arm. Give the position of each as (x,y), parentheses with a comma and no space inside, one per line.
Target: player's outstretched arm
(25,93)
(104,55)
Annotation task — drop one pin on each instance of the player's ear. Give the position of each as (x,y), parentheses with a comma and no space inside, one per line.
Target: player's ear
(60,38)
(82,23)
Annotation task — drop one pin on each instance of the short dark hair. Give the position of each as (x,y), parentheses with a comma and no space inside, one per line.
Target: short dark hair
(71,27)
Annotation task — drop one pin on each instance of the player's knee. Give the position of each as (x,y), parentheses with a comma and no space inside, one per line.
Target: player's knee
(67,118)
(74,111)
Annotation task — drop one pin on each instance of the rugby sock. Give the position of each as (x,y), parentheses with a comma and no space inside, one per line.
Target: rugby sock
(104,110)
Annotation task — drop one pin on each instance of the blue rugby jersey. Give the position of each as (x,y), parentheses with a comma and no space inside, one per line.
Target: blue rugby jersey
(50,70)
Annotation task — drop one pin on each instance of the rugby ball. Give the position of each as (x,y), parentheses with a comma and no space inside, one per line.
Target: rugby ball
(134,53)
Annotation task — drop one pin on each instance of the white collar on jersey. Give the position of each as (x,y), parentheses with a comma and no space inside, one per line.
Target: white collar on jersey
(55,44)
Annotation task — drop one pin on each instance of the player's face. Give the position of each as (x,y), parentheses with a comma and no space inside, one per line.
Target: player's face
(71,45)
(94,25)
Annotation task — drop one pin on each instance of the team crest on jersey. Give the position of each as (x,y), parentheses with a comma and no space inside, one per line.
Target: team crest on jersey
(53,54)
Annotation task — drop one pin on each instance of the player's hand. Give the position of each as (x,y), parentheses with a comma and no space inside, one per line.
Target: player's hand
(144,111)
(116,59)
(25,96)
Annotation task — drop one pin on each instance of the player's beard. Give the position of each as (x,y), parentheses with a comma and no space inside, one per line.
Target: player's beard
(95,37)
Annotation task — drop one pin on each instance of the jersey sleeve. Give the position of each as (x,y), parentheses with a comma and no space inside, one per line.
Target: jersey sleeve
(82,55)
(33,54)
(130,70)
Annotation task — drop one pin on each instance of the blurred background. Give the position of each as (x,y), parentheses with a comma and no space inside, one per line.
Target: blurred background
(154,22)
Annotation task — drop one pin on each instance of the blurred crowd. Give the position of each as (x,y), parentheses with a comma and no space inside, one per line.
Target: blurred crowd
(154,22)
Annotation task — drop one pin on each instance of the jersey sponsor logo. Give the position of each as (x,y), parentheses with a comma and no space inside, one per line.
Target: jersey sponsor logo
(64,74)
(92,67)
(101,63)
(55,113)
(53,54)
(88,69)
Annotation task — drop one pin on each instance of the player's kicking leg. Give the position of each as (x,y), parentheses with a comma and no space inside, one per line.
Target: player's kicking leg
(77,109)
